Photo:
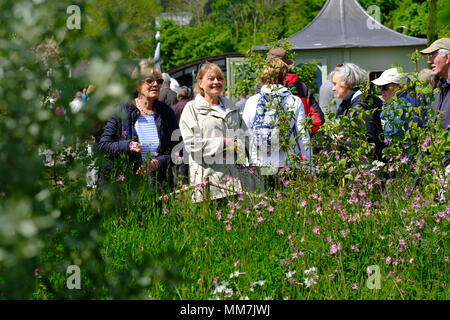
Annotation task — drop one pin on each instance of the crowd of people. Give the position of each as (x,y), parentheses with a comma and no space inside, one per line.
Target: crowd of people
(225,143)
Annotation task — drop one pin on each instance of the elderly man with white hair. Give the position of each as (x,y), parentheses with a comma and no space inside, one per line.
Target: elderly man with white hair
(439,60)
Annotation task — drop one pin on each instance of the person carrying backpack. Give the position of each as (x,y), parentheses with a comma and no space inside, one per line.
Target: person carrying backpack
(274,118)
(310,104)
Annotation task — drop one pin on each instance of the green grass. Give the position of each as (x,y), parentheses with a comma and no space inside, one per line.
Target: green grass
(190,250)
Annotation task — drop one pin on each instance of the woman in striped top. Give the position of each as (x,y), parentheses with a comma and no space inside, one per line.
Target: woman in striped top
(146,129)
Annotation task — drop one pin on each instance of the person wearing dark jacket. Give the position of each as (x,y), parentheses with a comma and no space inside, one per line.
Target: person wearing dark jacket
(299,89)
(167,95)
(143,128)
(183,96)
(439,60)
(346,79)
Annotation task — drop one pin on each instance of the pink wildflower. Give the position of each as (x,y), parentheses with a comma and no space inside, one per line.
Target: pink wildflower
(388,260)
(335,248)
(165,211)
(316,230)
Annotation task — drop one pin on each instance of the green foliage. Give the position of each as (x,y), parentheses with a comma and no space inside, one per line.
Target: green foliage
(182,44)
(139,15)
(248,72)
(44,203)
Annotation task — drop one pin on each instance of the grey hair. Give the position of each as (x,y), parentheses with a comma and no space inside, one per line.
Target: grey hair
(426,74)
(166,78)
(443,52)
(330,75)
(351,74)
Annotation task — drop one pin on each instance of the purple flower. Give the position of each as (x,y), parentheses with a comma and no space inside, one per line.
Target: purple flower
(335,248)
(316,230)
(388,260)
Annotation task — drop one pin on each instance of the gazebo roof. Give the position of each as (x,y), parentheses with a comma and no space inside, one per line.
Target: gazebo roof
(345,24)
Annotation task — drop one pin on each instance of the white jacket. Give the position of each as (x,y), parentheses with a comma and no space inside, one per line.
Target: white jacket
(203,129)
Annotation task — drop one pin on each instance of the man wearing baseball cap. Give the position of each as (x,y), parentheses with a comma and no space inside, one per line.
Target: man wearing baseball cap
(391,83)
(439,60)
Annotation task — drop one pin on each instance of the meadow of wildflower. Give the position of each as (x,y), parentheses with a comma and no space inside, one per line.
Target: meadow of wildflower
(308,239)
(350,229)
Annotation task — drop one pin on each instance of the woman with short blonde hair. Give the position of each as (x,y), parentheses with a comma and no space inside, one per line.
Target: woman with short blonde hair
(214,135)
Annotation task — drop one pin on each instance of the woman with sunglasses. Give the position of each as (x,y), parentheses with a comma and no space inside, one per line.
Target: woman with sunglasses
(143,128)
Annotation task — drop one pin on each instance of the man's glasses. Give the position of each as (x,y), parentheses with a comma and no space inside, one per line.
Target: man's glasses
(151,79)
(386,87)
(433,55)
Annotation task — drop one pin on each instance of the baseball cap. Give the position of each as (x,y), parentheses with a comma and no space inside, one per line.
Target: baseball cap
(443,43)
(390,76)
(281,54)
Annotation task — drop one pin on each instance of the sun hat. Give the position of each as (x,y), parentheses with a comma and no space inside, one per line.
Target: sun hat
(390,76)
(280,53)
(443,43)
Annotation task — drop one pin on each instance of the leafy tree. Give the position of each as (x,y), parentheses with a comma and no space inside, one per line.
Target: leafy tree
(182,44)
(196,7)
(138,14)
(299,13)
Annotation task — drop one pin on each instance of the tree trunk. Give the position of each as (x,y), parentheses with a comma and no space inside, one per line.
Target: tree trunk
(431,23)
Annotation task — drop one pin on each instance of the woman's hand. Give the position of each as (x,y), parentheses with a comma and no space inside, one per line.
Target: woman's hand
(135,147)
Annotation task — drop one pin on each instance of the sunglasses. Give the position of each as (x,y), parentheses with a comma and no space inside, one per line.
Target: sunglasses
(151,79)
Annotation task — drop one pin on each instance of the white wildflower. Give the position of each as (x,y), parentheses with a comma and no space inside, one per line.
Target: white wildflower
(236,274)
(290,274)
(309,282)
(313,271)
(221,288)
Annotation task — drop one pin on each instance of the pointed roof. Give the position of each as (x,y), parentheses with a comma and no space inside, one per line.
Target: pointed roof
(345,24)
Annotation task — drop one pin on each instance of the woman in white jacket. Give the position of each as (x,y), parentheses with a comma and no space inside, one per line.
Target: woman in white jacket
(264,115)
(214,134)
